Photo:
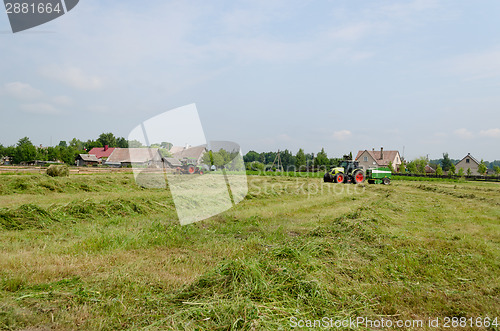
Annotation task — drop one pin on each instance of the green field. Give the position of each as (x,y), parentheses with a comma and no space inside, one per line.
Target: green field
(96,252)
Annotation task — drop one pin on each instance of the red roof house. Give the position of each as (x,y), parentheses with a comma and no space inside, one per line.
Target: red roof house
(102,152)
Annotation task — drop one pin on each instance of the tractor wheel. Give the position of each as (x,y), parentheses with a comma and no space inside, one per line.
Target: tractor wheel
(327,178)
(191,169)
(339,178)
(386,181)
(201,172)
(358,176)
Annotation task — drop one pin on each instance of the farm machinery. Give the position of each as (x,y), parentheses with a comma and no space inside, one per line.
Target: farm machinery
(379,176)
(184,166)
(347,172)
(351,172)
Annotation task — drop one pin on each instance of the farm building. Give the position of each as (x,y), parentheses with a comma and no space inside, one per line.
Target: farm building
(373,159)
(196,153)
(102,153)
(86,160)
(468,162)
(135,156)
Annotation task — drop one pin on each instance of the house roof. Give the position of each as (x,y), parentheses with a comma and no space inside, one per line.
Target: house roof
(191,153)
(429,169)
(470,156)
(88,157)
(176,149)
(172,161)
(134,155)
(389,156)
(100,152)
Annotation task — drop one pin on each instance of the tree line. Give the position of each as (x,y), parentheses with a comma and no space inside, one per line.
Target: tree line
(26,152)
(290,162)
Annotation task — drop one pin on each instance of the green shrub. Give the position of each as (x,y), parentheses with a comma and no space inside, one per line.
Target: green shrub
(58,171)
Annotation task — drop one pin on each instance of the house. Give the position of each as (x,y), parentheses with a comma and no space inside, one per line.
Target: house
(196,153)
(373,159)
(468,162)
(102,153)
(429,170)
(86,160)
(135,156)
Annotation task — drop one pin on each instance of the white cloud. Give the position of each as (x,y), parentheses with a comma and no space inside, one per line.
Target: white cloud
(491,133)
(352,32)
(74,77)
(342,135)
(464,133)
(284,137)
(98,109)
(40,109)
(480,65)
(21,90)
(63,100)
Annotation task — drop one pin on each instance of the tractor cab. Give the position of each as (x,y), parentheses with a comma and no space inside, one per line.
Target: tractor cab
(349,166)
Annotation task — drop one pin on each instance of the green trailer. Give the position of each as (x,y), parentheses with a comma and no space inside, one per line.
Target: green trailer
(379,176)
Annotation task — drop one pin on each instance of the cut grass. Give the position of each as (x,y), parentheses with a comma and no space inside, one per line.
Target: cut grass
(296,247)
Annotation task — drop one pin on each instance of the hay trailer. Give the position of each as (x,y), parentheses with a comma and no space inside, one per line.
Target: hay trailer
(379,176)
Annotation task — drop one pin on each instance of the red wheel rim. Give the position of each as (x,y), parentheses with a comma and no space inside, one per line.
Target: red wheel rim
(201,172)
(340,179)
(191,170)
(359,178)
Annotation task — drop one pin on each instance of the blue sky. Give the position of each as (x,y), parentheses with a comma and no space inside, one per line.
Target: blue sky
(341,75)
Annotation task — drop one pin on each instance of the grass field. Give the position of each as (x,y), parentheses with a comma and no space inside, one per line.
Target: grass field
(96,252)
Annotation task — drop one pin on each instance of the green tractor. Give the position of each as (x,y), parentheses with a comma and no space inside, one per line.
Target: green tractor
(347,172)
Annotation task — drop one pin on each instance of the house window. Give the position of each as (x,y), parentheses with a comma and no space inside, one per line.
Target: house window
(467,160)
(365,158)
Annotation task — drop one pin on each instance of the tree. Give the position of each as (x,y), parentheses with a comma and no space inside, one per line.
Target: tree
(439,170)
(207,158)
(123,143)
(461,172)
(446,163)
(237,164)
(482,168)
(412,167)
(91,144)
(335,161)
(391,167)
(321,159)
(452,169)
(300,159)
(287,159)
(107,139)
(218,160)
(25,151)
(135,144)
(469,172)
(63,143)
(76,143)
(497,170)
(256,165)
(402,168)
(251,156)
(421,162)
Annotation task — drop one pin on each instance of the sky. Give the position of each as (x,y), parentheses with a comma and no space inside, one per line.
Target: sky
(421,76)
